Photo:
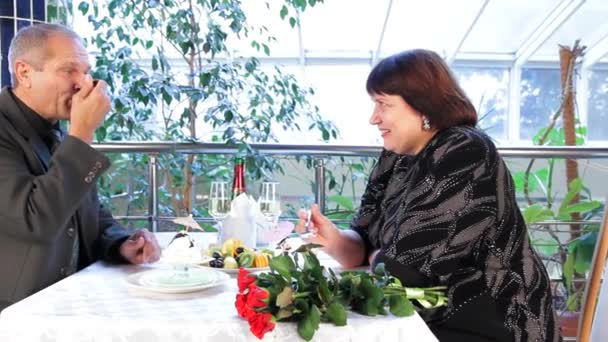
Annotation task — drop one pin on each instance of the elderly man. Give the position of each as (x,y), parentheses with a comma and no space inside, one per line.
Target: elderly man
(51,222)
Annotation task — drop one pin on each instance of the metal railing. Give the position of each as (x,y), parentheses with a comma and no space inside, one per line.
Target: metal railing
(319,153)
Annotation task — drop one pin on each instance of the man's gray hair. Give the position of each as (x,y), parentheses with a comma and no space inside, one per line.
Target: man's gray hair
(29,44)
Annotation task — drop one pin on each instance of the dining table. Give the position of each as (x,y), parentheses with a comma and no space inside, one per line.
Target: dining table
(99,303)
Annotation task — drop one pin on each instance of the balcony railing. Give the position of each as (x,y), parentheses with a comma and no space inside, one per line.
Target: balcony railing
(318,152)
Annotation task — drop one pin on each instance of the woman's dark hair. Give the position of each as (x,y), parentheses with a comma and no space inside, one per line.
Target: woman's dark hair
(425,82)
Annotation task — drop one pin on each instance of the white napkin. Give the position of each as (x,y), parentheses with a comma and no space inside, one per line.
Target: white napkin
(241,221)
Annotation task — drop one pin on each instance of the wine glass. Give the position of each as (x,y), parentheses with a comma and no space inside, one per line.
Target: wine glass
(219,202)
(270,206)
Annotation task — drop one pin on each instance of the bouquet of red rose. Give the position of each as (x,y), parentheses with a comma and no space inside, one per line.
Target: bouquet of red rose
(303,292)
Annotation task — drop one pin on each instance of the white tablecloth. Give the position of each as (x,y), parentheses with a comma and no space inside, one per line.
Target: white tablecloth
(96,304)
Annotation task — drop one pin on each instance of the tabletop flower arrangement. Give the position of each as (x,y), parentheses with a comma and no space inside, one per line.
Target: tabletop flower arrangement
(303,291)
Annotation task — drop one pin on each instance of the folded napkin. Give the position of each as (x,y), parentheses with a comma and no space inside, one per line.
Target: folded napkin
(241,222)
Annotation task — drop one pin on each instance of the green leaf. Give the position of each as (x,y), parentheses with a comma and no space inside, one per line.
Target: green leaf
(584,252)
(83,7)
(580,207)
(574,188)
(372,295)
(546,247)
(284,12)
(343,201)
(309,323)
(228,115)
(204,78)
(292,22)
(284,265)
(400,306)
(336,314)
(324,292)
(325,134)
(536,213)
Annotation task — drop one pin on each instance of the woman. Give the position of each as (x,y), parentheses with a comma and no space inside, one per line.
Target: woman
(440,209)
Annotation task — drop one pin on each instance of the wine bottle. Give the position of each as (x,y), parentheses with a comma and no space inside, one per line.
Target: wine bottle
(238,183)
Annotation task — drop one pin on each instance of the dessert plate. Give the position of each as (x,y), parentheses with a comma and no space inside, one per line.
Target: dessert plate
(175,281)
(235,270)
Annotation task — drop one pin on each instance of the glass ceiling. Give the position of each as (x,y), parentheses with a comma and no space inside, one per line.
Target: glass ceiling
(466,30)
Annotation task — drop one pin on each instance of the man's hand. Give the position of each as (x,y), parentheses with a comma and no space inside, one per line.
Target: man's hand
(90,104)
(141,247)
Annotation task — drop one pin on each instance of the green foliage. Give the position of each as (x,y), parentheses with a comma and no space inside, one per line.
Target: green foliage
(59,11)
(170,71)
(575,256)
(301,290)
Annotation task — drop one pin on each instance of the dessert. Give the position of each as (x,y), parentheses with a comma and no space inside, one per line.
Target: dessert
(182,249)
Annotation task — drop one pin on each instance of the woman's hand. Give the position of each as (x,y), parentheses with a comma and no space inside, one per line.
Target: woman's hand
(324,232)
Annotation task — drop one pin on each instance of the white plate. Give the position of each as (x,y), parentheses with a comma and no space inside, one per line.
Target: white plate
(170,281)
(235,270)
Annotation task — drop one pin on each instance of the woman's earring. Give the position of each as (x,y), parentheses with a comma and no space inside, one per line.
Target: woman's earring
(426,125)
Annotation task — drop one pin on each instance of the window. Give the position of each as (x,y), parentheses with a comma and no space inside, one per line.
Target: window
(487,89)
(540,98)
(597,110)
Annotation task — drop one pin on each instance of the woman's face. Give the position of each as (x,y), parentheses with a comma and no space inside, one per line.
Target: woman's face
(400,125)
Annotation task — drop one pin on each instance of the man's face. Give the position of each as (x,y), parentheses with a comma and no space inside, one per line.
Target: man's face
(64,69)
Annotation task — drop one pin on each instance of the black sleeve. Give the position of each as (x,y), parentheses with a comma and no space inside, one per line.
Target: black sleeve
(112,236)
(366,221)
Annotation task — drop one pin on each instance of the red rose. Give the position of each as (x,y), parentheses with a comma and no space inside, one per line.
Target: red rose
(257,297)
(244,279)
(260,323)
(241,306)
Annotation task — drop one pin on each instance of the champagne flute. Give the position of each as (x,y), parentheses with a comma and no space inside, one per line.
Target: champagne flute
(270,205)
(219,203)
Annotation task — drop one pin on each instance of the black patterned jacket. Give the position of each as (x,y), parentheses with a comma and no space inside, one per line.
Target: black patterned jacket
(448,216)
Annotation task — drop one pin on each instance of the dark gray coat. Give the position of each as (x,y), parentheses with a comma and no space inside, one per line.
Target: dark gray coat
(39,195)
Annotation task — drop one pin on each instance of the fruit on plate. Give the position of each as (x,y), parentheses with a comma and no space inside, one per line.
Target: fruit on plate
(233,254)
(229,247)
(261,259)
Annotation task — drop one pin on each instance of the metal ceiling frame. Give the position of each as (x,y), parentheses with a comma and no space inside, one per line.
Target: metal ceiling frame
(376,55)
(449,59)
(596,52)
(562,12)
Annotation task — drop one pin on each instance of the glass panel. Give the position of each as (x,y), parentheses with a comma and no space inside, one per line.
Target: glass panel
(505,25)
(588,23)
(540,98)
(343,25)
(23,23)
(24,10)
(6,8)
(7,27)
(341,96)
(488,91)
(39,10)
(598,105)
(419,24)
